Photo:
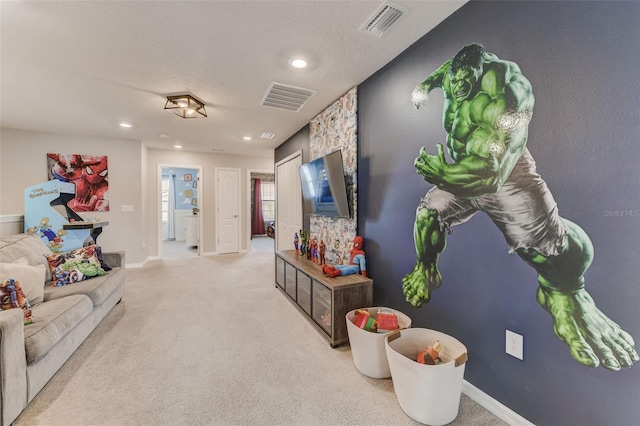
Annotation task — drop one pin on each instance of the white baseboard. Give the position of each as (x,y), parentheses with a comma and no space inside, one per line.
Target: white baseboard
(495,407)
(143,263)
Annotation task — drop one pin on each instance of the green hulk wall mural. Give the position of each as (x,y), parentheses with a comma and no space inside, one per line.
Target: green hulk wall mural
(487,109)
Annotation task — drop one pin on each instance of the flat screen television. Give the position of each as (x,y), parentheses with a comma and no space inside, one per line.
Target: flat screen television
(324,190)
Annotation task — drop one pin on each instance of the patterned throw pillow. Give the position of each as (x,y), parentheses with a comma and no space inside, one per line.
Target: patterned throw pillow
(12,296)
(73,266)
(31,278)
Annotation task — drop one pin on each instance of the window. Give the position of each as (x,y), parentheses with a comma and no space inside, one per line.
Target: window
(268,193)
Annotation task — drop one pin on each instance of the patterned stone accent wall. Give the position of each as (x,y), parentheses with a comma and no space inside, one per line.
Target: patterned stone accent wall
(337,128)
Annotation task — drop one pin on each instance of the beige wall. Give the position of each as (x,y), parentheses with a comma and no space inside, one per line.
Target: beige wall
(133,180)
(206,190)
(145,211)
(23,163)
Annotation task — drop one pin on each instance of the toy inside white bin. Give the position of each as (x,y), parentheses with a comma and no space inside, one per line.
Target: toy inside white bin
(367,347)
(429,394)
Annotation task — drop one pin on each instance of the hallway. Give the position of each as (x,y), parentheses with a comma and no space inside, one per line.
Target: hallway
(178,249)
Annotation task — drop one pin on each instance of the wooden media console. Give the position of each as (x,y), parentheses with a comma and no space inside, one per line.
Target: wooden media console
(325,301)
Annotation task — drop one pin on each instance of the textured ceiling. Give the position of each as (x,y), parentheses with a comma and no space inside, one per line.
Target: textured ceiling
(82,67)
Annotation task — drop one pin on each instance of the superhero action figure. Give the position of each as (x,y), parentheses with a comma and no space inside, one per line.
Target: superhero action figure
(357,262)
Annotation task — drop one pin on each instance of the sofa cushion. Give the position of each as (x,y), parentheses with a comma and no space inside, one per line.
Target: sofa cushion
(31,247)
(31,278)
(12,296)
(98,288)
(51,322)
(75,265)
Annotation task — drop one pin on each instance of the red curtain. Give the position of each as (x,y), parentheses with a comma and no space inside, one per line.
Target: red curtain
(257,221)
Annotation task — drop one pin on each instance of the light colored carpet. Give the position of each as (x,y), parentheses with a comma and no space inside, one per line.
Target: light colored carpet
(211,341)
(262,243)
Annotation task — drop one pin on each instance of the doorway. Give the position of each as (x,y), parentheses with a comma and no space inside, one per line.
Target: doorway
(180,197)
(261,201)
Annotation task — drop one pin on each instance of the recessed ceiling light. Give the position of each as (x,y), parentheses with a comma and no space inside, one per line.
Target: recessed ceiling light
(177,146)
(127,125)
(246,138)
(299,63)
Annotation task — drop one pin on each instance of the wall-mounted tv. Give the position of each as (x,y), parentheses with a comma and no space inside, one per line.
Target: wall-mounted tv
(324,191)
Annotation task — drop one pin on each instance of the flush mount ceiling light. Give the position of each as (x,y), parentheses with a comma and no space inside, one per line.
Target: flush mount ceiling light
(185,106)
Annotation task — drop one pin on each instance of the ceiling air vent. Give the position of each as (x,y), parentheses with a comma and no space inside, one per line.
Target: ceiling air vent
(383,18)
(286,97)
(218,150)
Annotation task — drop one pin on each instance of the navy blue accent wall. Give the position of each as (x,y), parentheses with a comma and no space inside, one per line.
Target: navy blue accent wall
(583,60)
(299,141)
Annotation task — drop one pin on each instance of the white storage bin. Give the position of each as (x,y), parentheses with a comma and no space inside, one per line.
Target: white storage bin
(429,394)
(367,348)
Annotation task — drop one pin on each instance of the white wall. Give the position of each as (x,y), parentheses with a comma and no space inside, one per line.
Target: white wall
(23,162)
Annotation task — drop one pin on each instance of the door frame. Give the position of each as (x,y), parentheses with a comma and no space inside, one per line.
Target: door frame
(248,221)
(239,207)
(159,202)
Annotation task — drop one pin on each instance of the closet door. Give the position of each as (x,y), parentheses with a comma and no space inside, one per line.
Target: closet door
(288,201)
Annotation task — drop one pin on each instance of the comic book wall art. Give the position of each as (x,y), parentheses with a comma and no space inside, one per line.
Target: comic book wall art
(89,173)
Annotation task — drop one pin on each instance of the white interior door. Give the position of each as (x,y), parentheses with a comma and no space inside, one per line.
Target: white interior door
(228,210)
(288,201)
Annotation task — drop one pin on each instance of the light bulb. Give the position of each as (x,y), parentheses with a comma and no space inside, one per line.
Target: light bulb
(299,63)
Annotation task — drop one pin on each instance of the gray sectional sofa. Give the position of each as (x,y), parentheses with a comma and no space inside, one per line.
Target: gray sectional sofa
(31,354)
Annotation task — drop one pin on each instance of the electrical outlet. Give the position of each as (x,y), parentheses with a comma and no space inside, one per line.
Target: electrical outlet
(513,345)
